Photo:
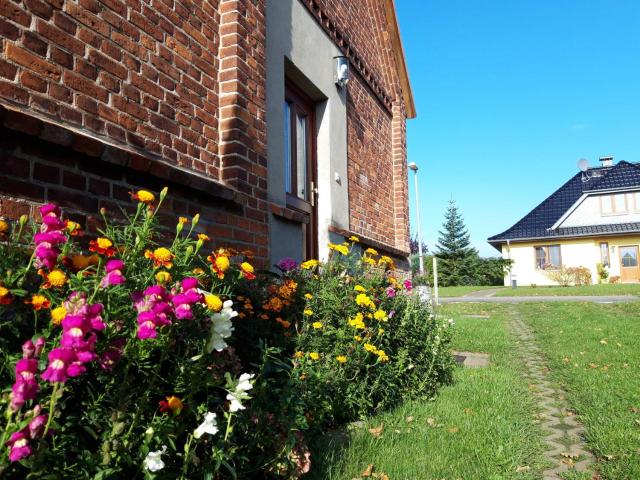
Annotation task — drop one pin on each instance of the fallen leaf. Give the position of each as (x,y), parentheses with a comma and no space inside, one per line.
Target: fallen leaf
(637,421)
(409,419)
(431,422)
(469,411)
(603,342)
(593,365)
(453,429)
(609,457)
(523,468)
(619,344)
(570,455)
(565,359)
(635,409)
(368,471)
(377,431)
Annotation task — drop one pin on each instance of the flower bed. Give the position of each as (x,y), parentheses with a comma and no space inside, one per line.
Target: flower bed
(141,354)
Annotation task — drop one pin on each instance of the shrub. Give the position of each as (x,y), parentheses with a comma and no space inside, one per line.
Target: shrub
(580,276)
(562,276)
(603,273)
(570,276)
(124,358)
(614,279)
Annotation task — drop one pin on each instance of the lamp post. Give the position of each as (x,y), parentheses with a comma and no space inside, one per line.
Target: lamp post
(414,167)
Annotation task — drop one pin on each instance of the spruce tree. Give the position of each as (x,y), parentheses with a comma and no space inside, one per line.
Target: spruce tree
(457,257)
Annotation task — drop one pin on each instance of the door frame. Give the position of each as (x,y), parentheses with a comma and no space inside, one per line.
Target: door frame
(637,267)
(301,102)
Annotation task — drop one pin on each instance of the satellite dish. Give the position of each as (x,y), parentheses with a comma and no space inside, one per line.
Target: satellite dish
(583,164)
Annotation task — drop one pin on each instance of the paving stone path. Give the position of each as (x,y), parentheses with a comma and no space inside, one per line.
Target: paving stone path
(564,436)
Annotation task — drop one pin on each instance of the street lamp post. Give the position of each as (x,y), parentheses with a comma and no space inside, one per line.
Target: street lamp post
(414,167)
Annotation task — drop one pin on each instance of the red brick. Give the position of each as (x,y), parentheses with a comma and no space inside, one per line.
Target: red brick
(46,173)
(12,11)
(13,93)
(33,82)
(59,37)
(107,64)
(80,84)
(31,41)
(8,30)
(39,8)
(7,70)
(27,59)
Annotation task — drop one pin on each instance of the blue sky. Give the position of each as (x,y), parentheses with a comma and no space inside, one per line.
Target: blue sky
(510,94)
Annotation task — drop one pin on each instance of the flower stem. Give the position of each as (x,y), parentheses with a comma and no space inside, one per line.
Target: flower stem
(6,428)
(185,463)
(226,434)
(52,405)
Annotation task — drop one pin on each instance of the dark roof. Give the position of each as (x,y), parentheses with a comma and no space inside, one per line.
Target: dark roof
(538,222)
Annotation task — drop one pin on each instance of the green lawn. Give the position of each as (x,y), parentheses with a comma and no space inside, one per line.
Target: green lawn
(593,352)
(603,289)
(480,427)
(462,290)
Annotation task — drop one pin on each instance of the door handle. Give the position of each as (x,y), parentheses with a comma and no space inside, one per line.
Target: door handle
(314,192)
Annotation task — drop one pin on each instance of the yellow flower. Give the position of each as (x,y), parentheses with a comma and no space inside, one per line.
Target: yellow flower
(298,354)
(357,322)
(317,325)
(203,237)
(145,196)
(359,288)
(247,270)
(370,348)
(354,239)
(39,302)
(308,296)
(183,220)
(213,302)
(309,264)
(72,227)
(380,315)
(4,227)
(308,312)
(357,338)
(57,278)
(3,291)
(341,359)
(387,262)
(364,301)
(163,277)
(343,249)
(314,356)
(80,262)
(162,257)
(380,331)
(371,251)
(369,261)
(197,271)
(382,356)
(58,314)
(172,404)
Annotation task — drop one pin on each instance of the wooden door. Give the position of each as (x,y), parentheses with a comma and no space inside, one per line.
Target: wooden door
(629,267)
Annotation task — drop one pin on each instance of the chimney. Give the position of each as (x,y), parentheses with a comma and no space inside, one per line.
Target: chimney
(606,161)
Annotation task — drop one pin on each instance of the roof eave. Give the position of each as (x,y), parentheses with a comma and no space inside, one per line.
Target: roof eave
(561,237)
(401,64)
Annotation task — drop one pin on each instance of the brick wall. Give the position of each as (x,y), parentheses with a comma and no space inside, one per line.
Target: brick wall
(177,88)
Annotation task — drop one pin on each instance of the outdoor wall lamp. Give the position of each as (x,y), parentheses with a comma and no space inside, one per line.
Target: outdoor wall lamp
(341,71)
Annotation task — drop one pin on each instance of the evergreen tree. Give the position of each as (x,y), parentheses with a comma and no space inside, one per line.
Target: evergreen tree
(457,257)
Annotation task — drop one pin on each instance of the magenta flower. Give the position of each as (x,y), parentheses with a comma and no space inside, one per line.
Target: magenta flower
(112,353)
(391,292)
(19,446)
(26,386)
(28,349)
(408,285)
(36,426)
(39,346)
(114,274)
(183,302)
(62,364)
(154,310)
(287,264)
(50,236)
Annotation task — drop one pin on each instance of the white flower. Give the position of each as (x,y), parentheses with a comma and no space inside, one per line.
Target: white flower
(239,393)
(221,327)
(244,382)
(235,403)
(153,462)
(208,426)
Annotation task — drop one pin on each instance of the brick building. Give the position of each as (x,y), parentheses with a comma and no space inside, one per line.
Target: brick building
(233,104)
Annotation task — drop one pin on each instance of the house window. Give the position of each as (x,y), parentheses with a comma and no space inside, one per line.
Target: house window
(636,201)
(604,254)
(613,204)
(298,116)
(548,257)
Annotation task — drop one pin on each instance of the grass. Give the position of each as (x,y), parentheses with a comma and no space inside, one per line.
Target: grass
(479,427)
(592,351)
(601,289)
(462,290)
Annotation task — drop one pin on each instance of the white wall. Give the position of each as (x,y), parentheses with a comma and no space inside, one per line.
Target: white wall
(588,212)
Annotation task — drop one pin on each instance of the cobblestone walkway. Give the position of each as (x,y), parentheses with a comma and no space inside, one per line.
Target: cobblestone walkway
(566,449)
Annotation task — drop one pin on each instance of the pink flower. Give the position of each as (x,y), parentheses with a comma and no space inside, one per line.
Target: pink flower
(39,346)
(391,292)
(114,274)
(153,309)
(28,349)
(36,426)
(408,285)
(50,236)
(112,353)
(26,386)
(19,446)
(60,365)
(183,302)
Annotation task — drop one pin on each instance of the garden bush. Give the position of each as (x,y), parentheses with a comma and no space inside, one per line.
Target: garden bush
(143,353)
